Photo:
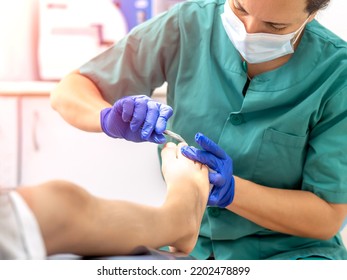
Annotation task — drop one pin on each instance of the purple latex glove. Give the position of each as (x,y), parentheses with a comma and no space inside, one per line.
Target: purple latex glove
(136,118)
(222,192)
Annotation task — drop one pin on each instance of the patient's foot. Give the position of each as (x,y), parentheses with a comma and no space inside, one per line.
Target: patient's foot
(188,214)
(188,189)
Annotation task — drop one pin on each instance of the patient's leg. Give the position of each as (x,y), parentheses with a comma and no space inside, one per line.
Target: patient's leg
(73,221)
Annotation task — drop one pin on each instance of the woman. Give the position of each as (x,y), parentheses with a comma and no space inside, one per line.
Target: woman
(267,83)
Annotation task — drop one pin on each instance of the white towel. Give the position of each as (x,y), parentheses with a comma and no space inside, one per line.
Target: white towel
(20,235)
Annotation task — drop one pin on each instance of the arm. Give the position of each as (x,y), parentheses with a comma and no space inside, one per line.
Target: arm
(134,118)
(73,221)
(79,102)
(295,212)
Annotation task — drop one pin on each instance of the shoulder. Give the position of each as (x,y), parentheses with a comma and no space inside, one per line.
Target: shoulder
(199,8)
(202,3)
(331,53)
(325,37)
(191,20)
(199,16)
(189,10)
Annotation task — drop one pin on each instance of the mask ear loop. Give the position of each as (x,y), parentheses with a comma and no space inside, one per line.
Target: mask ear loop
(299,31)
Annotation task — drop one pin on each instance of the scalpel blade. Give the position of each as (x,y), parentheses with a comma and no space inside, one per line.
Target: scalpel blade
(174,135)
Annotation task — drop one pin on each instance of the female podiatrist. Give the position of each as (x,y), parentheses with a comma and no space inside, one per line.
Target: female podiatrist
(267,84)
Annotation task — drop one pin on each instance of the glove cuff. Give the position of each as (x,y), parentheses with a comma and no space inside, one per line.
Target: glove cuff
(229,196)
(103,120)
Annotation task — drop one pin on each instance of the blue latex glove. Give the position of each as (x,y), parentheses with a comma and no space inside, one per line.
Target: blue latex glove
(221,177)
(136,118)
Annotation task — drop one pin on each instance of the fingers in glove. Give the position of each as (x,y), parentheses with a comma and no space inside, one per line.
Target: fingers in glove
(126,108)
(210,146)
(165,112)
(150,120)
(179,149)
(216,179)
(213,198)
(157,138)
(140,113)
(201,156)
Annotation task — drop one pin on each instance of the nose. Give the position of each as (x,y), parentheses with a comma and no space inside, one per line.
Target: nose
(251,25)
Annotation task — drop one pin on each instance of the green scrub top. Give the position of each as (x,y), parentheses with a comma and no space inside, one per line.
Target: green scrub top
(288,131)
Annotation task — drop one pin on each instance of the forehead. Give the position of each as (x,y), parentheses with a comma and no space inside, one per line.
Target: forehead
(276,10)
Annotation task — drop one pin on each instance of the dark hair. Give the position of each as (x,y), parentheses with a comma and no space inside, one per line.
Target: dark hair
(316,5)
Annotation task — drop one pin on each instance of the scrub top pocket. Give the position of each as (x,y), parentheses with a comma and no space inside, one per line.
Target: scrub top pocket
(280,159)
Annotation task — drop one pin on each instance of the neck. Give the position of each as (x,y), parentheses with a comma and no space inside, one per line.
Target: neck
(259,68)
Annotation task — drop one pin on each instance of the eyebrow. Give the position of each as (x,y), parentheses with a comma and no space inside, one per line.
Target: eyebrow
(239,6)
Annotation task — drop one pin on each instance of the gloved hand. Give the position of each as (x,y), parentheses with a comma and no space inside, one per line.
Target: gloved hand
(222,192)
(136,118)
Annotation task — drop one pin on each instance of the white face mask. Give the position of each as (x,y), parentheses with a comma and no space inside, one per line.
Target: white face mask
(257,47)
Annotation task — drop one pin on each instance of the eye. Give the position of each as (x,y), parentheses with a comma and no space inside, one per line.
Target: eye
(277,27)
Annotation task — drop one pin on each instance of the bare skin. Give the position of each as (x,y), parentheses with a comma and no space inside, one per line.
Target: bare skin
(74,221)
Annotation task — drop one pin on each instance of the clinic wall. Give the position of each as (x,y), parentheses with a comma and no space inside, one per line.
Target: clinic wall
(334,17)
(19,36)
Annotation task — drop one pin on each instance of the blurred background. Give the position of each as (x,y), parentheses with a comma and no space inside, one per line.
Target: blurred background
(45,39)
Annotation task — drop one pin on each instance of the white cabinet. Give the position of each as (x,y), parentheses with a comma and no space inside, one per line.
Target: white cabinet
(9,135)
(110,168)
